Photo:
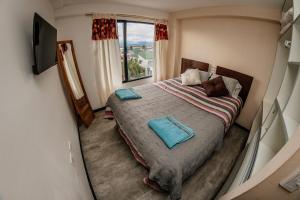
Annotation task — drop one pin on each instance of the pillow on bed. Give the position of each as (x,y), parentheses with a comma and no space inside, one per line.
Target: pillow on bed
(233,86)
(204,76)
(236,90)
(215,87)
(194,77)
(191,77)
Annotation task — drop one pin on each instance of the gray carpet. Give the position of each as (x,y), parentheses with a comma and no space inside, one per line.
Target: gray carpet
(115,174)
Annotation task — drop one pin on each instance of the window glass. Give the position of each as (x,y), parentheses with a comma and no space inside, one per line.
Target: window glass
(139,52)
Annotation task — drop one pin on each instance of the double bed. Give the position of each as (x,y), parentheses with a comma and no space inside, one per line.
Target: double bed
(209,117)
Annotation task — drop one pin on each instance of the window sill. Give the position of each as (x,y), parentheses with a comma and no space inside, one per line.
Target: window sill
(145,77)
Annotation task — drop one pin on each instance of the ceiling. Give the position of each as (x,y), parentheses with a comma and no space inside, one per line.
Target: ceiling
(174,5)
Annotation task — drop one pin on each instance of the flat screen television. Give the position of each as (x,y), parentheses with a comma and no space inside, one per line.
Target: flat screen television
(44,44)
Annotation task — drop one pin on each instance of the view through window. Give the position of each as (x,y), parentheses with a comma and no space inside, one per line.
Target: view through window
(137,53)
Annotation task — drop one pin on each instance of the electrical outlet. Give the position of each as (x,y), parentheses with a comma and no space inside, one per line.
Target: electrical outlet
(292,183)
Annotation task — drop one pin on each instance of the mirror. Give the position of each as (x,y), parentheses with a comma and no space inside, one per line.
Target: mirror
(71,78)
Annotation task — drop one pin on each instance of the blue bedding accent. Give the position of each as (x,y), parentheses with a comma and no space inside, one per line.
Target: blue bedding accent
(170,130)
(127,94)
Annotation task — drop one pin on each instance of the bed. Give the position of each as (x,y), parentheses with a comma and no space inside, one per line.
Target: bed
(209,117)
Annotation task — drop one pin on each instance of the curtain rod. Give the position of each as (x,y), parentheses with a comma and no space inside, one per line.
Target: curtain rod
(126,15)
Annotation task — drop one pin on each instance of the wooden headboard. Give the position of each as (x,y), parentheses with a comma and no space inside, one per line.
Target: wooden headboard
(245,80)
(193,64)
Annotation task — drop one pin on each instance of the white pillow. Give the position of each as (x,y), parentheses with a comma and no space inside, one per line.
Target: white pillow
(191,77)
(237,90)
(233,86)
(204,76)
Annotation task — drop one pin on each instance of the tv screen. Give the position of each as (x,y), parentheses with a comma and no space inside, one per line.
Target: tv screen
(44,44)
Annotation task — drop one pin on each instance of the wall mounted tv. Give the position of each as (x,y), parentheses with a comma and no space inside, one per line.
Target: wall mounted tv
(44,44)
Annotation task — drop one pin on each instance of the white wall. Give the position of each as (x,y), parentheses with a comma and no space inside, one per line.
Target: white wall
(73,25)
(35,119)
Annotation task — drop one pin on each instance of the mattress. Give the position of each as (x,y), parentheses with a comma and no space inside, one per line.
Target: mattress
(208,117)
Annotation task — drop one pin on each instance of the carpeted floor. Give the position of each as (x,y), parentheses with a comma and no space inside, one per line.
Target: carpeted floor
(115,175)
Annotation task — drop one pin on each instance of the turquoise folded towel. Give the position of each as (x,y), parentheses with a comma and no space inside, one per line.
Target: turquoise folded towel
(127,94)
(170,130)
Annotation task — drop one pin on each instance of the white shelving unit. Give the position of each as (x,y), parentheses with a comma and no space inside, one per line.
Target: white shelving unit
(281,105)
(280,115)
(280,65)
(271,141)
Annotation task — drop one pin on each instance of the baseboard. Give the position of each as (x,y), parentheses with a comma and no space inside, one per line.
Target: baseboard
(85,168)
(242,127)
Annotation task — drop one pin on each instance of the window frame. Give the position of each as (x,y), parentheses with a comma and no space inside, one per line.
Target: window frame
(124,22)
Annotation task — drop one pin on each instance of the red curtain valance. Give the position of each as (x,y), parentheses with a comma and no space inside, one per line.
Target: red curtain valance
(161,32)
(104,29)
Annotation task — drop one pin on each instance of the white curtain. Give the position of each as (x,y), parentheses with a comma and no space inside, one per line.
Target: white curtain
(160,69)
(71,72)
(161,49)
(108,69)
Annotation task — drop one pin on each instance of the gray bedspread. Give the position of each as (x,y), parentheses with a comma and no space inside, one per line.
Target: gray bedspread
(168,167)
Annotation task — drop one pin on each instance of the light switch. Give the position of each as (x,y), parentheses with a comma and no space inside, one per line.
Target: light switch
(70,158)
(292,183)
(69,145)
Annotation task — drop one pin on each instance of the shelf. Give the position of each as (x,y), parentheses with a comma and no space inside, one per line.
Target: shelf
(271,142)
(291,112)
(277,77)
(264,155)
(297,21)
(287,86)
(275,138)
(267,106)
(287,34)
(287,4)
(256,124)
(290,125)
(246,167)
(271,114)
(281,117)
(294,57)
(250,149)
(296,6)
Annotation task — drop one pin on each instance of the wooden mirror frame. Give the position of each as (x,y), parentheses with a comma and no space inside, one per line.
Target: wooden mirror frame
(82,107)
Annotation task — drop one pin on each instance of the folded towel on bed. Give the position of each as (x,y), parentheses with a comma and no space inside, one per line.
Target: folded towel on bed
(127,94)
(170,130)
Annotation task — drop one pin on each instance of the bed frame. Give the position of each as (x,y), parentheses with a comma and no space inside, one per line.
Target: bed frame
(245,80)
(193,64)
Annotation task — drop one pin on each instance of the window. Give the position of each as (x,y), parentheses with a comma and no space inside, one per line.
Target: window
(137,52)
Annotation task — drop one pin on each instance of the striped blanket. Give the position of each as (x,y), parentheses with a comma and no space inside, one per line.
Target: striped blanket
(226,108)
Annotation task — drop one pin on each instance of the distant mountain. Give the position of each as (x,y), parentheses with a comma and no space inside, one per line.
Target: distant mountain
(139,43)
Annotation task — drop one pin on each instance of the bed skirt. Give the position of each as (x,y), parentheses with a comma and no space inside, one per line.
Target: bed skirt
(139,158)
